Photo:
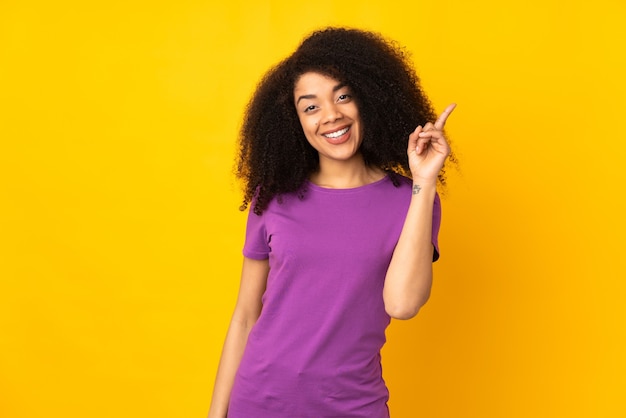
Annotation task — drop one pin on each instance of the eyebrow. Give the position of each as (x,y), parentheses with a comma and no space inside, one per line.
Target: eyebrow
(312,96)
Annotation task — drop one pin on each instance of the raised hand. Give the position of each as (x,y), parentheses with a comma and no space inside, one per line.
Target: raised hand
(428,148)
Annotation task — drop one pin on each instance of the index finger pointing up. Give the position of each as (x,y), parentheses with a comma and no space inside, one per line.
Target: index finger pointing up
(441,121)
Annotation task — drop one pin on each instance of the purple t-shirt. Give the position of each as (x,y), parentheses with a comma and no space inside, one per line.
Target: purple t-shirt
(315,349)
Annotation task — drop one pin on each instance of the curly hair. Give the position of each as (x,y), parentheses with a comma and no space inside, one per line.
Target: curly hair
(274,156)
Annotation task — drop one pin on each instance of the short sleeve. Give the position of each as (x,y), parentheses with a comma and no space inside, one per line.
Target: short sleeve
(436,226)
(256,244)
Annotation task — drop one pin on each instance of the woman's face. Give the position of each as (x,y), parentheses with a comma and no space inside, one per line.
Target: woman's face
(329,116)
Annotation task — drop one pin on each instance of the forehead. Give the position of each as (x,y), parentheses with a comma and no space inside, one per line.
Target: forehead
(311,82)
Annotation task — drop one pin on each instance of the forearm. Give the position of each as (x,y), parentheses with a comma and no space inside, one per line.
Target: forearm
(409,276)
(234,345)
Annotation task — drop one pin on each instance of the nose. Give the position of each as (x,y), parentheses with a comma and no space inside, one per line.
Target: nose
(332,114)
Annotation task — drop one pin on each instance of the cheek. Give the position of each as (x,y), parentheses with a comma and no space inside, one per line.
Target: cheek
(308,126)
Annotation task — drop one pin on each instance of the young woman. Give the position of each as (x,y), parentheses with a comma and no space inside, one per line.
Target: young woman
(340,154)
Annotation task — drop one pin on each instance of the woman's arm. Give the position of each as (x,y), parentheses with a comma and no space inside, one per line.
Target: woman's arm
(247,310)
(409,276)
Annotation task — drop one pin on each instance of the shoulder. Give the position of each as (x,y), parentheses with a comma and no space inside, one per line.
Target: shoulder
(400,181)
(281,202)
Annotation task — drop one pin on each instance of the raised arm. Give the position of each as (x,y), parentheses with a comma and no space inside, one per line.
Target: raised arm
(409,277)
(247,310)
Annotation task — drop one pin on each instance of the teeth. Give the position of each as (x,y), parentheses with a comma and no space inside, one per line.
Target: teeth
(337,134)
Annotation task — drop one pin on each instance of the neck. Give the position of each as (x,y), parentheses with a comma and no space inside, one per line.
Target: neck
(345,174)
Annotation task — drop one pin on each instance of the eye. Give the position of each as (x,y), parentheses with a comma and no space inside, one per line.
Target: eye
(344,97)
(309,108)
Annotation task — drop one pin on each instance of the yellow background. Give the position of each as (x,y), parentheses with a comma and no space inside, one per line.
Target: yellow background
(121,236)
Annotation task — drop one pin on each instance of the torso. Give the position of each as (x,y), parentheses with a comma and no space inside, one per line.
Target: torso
(315,349)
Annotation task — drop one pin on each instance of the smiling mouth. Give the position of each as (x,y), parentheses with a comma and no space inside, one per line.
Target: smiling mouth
(338,133)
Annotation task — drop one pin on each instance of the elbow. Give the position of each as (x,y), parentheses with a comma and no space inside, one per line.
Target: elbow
(402,314)
(405,310)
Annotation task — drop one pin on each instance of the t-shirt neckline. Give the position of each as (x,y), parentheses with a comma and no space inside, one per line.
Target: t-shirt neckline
(312,186)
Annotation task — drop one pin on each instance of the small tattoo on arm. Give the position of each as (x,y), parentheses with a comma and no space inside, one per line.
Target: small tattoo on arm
(416,188)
